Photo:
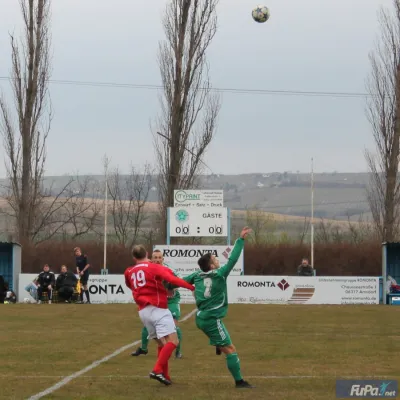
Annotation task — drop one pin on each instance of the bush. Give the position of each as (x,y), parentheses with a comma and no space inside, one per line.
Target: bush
(62,253)
(341,259)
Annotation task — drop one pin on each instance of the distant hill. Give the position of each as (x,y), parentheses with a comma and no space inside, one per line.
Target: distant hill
(337,195)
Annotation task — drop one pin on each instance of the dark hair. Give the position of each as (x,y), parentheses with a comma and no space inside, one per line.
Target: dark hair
(204,262)
(139,252)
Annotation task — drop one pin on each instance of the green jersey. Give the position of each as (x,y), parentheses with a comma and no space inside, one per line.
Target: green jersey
(176,299)
(211,292)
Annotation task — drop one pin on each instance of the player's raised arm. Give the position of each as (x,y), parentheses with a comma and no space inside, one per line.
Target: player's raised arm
(189,279)
(237,250)
(167,275)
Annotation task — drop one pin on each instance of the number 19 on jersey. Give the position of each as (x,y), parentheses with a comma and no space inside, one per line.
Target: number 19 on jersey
(138,279)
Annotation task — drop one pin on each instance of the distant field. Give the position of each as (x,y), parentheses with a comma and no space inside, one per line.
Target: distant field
(288,352)
(337,195)
(152,207)
(275,224)
(283,198)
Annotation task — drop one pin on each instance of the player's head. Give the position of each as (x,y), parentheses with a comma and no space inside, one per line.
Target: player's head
(63,269)
(139,253)
(157,257)
(208,262)
(78,251)
(46,268)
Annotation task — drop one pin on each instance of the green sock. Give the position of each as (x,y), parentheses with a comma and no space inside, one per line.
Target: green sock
(179,333)
(145,341)
(233,363)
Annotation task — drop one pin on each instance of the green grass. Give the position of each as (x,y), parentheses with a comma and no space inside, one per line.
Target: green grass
(276,344)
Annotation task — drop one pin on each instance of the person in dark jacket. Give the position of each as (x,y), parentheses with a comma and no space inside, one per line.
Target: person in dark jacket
(3,289)
(305,269)
(66,284)
(11,297)
(46,282)
(82,269)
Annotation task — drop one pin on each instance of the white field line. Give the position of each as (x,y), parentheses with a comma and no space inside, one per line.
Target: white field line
(95,364)
(197,377)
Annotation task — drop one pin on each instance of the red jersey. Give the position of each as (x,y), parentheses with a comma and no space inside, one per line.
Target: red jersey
(146,282)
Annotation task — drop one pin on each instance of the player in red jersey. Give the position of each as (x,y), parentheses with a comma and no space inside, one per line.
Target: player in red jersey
(145,279)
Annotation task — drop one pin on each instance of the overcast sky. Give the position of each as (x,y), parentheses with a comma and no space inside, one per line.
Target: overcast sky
(308,45)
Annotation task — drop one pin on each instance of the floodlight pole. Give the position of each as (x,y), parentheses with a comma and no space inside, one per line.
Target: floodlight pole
(106,162)
(312,212)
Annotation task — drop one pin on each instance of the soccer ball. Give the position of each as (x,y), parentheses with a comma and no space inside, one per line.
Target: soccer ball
(260,14)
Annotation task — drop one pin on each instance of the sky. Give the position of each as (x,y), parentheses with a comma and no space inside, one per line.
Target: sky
(309,46)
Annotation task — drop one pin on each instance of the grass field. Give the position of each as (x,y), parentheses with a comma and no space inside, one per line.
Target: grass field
(288,352)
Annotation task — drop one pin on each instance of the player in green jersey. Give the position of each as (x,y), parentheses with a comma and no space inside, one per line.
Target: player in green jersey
(212,304)
(174,299)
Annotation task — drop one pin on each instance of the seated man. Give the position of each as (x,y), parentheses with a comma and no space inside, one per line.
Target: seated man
(305,269)
(11,297)
(45,281)
(392,286)
(66,284)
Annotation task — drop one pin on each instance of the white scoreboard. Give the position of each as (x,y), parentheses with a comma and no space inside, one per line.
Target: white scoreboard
(199,222)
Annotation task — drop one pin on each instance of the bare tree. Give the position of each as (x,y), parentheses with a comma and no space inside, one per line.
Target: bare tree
(383,111)
(81,214)
(129,195)
(25,141)
(72,210)
(361,230)
(329,232)
(303,232)
(189,109)
(262,224)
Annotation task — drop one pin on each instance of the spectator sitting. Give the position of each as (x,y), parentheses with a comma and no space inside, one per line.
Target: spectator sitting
(11,297)
(65,284)
(391,285)
(46,281)
(305,269)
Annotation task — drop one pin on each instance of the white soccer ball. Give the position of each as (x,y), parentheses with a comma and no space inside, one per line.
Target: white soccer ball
(260,14)
(27,301)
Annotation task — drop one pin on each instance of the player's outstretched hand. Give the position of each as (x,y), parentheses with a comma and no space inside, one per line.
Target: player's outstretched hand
(245,232)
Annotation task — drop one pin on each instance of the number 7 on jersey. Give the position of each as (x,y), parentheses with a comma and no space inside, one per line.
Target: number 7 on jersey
(208,285)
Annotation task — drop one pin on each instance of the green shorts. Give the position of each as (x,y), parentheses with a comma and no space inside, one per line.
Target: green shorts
(215,330)
(175,309)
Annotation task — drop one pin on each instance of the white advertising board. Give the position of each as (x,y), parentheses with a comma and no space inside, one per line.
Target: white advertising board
(303,290)
(248,290)
(183,261)
(198,198)
(198,222)
(102,288)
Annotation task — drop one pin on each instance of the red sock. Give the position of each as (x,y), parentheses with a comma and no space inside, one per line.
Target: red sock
(165,369)
(164,356)
(166,372)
